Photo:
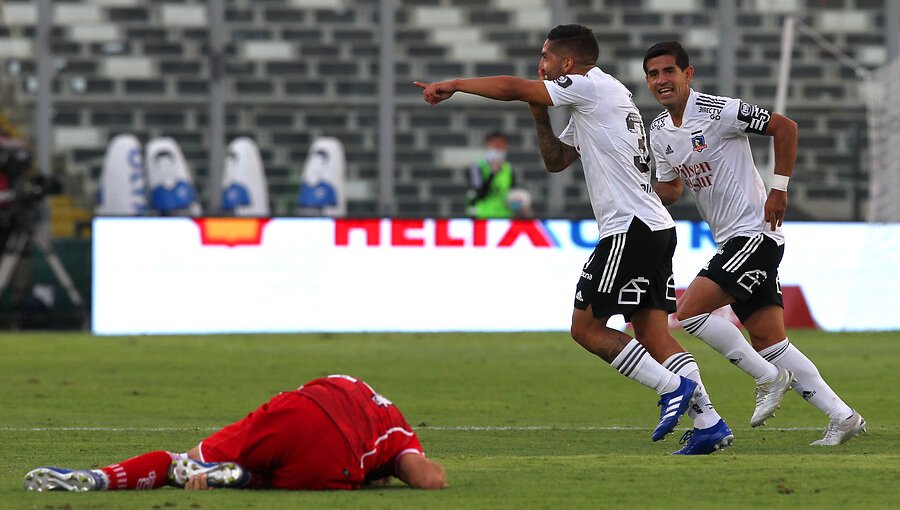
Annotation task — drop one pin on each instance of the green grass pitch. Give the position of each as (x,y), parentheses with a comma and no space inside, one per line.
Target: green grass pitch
(519,420)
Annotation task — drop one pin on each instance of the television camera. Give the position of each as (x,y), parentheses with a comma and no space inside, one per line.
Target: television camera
(21,197)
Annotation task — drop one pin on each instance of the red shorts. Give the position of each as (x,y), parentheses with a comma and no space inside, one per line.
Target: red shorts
(290,443)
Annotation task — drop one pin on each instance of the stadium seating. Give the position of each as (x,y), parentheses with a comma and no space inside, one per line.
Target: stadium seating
(301,69)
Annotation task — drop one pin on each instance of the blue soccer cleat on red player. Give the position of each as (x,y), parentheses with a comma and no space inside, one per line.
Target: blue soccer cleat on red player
(218,474)
(51,478)
(672,406)
(706,441)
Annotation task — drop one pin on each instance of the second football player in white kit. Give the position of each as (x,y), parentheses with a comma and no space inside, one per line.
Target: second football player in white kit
(700,142)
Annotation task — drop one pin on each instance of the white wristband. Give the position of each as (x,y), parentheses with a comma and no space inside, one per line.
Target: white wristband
(780,182)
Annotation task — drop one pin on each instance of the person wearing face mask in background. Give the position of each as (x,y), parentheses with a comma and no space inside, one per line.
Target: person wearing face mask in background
(490,181)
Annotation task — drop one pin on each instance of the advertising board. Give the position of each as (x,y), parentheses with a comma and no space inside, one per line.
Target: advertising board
(234,275)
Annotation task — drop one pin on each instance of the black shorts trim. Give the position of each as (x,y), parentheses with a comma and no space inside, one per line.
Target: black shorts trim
(746,268)
(629,271)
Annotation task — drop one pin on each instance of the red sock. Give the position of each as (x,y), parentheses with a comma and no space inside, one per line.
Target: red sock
(147,471)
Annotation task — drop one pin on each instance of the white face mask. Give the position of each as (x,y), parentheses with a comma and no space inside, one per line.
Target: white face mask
(495,156)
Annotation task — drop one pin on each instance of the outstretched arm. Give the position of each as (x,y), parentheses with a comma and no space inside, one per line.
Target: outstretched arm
(503,88)
(557,155)
(784,131)
(420,472)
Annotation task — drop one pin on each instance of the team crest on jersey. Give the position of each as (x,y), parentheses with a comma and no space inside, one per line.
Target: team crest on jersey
(698,141)
(563,81)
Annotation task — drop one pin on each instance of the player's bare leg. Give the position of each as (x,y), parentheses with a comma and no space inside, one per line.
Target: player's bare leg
(704,296)
(594,335)
(651,326)
(629,357)
(766,328)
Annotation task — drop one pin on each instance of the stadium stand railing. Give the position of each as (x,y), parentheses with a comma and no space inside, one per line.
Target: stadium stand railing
(298,70)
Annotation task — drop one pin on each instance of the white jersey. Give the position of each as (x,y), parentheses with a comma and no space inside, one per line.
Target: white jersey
(711,153)
(607,131)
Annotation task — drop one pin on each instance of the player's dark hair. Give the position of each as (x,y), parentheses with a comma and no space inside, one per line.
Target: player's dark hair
(496,134)
(576,40)
(673,48)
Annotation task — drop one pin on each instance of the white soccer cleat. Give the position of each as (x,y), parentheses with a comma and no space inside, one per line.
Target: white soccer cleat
(770,395)
(218,474)
(51,478)
(841,431)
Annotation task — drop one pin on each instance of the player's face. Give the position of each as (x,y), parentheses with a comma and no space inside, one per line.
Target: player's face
(669,84)
(552,65)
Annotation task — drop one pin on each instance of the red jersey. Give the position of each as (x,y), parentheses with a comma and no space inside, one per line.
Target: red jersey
(374,428)
(331,433)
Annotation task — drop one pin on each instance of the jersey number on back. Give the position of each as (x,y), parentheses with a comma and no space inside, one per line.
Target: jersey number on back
(636,125)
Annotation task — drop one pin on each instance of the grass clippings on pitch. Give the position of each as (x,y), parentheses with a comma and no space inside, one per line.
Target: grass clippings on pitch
(519,420)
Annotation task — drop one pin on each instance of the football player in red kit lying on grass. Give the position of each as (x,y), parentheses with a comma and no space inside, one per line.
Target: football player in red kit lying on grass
(335,432)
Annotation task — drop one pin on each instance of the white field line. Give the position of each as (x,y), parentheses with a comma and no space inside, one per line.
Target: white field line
(460,428)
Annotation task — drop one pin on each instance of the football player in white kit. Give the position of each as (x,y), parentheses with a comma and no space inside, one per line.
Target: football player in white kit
(630,271)
(700,142)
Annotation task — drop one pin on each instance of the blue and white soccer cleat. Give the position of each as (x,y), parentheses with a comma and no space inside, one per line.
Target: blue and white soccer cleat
(218,474)
(672,406)
(51,478)
(706,441)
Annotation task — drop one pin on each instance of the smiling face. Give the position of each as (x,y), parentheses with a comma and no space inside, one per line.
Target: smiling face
(669,84)
(553,65)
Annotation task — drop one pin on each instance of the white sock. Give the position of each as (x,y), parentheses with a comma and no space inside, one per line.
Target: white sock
(726,338)
(702,411)
(636,363)
(810,384)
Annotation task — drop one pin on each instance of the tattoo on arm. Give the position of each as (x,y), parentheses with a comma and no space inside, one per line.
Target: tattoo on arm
(556,157)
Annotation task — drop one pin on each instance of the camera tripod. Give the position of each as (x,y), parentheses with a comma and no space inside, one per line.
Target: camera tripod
(16,244)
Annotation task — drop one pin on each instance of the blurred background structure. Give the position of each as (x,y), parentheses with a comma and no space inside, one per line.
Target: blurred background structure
(286,72)
(294,70)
